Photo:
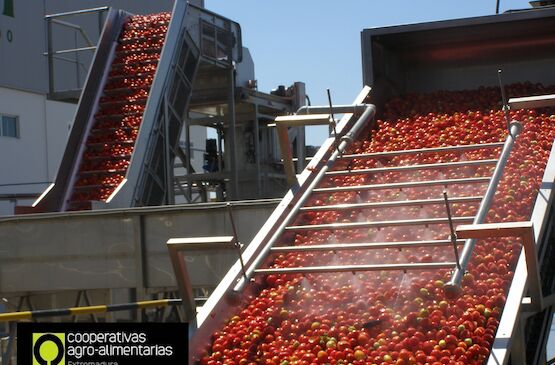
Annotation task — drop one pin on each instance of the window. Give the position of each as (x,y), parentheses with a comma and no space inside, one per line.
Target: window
(9,126)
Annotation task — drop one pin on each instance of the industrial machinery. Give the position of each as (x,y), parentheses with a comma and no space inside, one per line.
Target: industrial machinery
(150,77)
(364,260)
(420,232)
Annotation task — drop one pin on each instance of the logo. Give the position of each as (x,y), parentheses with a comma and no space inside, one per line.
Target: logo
(8,8)
(49,348)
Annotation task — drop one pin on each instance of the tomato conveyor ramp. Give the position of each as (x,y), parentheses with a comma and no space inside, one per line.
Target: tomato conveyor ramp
(129,117)
(420,233)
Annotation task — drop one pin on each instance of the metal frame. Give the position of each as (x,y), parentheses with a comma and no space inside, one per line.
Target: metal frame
(402,185)
(412,167)
(218,307)
(354,268)
(88,103)
(512,312)
(258,110)
(378,224)
(391,204)
(358,246)
(283,123)
(524,230)
(52,54)
(454,284)
(458,148)
(130,256)
(177,248)
(532,102)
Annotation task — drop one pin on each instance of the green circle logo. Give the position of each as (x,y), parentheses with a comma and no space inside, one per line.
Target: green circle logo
(49,348)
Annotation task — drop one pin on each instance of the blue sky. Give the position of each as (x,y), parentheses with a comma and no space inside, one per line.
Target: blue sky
(318,42)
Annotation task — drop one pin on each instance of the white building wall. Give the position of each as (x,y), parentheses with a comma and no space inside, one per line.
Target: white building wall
(59,119)
(29,163)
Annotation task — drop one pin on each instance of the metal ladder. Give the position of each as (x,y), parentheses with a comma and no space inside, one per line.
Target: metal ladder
(453,287)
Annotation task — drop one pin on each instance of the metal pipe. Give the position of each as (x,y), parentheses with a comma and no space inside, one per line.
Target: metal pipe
(81,49)
(413,167)
(367,246)
(453,235)
(50,55)
(74,26)
(399,203)
(402,185)
(66,24)
(424,150)
(504,99)
(236,238)
(84,11)
(394,223)
(353,268)
(74,311)
(345,142)
(234,188)
(453,287)
(338,109)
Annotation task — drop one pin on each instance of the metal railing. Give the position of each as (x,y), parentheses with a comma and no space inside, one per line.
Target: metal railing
(454,285)
(53,55)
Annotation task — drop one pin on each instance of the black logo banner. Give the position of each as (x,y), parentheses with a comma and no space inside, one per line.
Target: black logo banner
(102,343)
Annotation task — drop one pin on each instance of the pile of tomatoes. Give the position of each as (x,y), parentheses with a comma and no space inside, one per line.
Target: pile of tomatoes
(392,317)
(112,137)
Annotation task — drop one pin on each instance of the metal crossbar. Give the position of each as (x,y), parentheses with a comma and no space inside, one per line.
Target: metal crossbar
(392,204)
(401,185)
(413,167)
(378,224)
(354,268)
(364,246)
(424,150)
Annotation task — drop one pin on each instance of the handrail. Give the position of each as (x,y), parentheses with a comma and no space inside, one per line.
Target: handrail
(346,140)
(51,54)
(453,287)
(76,12)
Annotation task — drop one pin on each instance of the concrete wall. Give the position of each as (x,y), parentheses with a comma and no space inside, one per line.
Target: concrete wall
(118,249)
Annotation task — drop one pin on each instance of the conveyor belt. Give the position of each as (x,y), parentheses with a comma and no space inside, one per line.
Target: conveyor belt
(128,122)
(384,198)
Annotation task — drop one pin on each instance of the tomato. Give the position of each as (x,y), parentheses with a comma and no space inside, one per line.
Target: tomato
(112,137)
(388,317)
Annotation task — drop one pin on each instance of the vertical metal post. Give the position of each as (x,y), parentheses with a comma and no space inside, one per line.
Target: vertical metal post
(188,153)
(497,7)
(169,196)
(299,101)
(232,134)
(333,125)
(286,154)
(100,22)
(453,235)
(236,239)
(50,56)
(257,153)
(77,76)
(504,100)
(185,286)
